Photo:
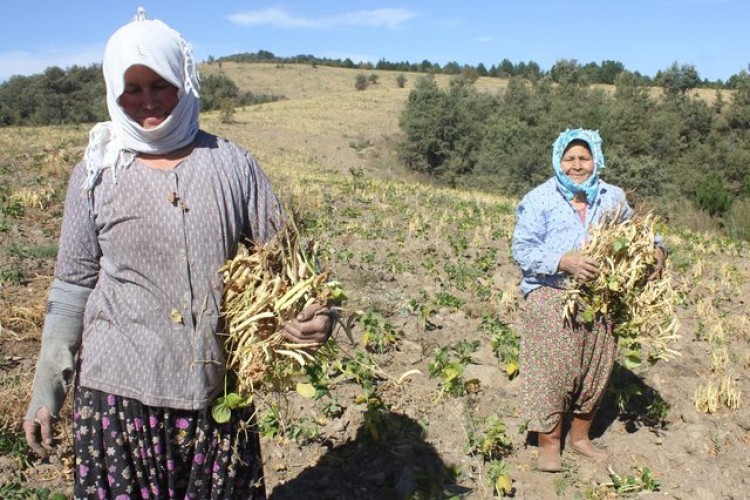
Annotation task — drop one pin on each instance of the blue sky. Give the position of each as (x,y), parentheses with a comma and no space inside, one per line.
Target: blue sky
(644,35)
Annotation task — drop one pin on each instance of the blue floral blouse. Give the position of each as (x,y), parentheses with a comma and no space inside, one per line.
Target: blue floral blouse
(547,226)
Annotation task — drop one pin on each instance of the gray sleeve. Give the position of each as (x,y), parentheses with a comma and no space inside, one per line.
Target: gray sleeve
(79,252)
(265,214)
(61,339)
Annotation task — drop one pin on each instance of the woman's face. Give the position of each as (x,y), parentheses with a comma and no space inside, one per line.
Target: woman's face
(577,163)
(148,98)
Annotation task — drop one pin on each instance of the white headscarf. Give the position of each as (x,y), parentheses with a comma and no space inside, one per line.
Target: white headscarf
(151,43)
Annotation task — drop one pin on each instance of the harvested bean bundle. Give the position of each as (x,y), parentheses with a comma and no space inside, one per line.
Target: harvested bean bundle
(641,309)
(265,286)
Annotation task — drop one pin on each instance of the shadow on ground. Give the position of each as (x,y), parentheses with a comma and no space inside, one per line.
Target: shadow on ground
(633,402)
(388,459)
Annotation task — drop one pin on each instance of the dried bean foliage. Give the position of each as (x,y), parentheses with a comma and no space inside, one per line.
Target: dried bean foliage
(264,286)
(641,309)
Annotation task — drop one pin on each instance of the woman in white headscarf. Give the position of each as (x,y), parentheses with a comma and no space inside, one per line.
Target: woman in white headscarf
(151,214)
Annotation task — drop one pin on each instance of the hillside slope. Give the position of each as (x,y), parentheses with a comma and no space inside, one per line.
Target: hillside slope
(430,270)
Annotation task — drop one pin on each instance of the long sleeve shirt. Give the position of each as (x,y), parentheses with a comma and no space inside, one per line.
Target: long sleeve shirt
(547,227)
(151,246)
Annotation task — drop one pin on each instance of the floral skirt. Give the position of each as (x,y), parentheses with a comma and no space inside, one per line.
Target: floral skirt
(126,450)
(563,367)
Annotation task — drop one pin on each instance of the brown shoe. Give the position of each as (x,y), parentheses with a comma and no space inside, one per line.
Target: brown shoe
(578,440)
(549,459)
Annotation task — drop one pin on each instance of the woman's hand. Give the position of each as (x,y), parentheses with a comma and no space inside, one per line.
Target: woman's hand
(579,266)
(41,426)
(661,257)
(312,326)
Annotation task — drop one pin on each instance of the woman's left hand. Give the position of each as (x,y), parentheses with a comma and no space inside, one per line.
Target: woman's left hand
(661,256)
(312,326)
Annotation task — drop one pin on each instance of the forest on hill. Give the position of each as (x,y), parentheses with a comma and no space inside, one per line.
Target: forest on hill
(76,94)
(665,150)
(664,143)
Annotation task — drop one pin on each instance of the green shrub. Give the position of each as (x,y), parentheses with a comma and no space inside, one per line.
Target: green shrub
(360,82)
(737,220)
(712,196)
(216,91)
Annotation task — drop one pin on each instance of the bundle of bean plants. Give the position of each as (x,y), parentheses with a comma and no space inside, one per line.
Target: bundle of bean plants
(625,293)
(265,286)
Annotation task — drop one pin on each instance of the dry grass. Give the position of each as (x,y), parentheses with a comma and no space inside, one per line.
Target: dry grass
(302,81)
(23,309)
(14,397)
(716,393)
(22,141)
(33,197)
(20,323)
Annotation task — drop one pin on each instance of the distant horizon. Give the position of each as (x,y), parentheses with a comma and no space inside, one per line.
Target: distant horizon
(374,63)
(462,64)
(645,36)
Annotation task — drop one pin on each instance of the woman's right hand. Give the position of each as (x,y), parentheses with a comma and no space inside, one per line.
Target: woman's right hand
(39,432)
(579,266)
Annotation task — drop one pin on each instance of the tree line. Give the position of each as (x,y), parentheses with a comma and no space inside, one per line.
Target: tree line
(662,149)
(77,95)
(590,73)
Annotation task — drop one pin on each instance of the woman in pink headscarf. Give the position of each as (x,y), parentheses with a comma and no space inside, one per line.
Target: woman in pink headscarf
(133,317)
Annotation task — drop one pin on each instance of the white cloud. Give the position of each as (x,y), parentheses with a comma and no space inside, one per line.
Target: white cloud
(274,17)
(483,39)
(26,63)
(390,18)
(280,18)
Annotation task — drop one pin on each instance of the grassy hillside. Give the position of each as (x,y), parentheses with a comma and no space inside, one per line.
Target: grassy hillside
(421,405)
(303,81)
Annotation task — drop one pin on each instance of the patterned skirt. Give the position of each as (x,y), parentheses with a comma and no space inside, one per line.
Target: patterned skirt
(125,450)
(563,367)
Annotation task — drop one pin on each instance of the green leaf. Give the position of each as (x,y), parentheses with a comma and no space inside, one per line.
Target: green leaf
(613,284)
(504,483)
(338,294)
(588,315)
(632,360)
(233,400)
(620,244)
(221,413)
(452,372)
(307,391)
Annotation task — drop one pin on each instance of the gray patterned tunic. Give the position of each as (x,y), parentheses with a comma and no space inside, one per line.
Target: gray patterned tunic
(151,246)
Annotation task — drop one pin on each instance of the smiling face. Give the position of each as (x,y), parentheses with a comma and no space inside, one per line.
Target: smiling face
(577,162)
(147,98)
